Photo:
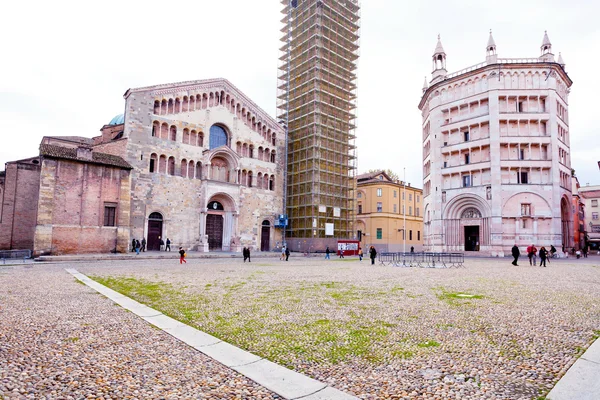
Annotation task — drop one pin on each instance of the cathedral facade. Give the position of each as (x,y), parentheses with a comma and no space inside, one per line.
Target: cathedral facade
(196,162)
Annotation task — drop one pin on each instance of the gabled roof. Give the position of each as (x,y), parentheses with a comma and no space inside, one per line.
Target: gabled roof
(362,178)
(52,151)
(207,84)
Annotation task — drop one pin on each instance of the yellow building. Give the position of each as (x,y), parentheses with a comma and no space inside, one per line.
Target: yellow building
(381,220)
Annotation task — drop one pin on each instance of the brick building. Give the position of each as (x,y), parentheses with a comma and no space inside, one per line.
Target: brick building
(196,162)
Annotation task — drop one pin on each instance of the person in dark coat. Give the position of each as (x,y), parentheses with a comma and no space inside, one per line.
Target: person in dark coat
(168,248)
(372,254)
(543,256)
(287,253)
(143,244)
(137,247)
(327,251)
(245,253)
(182,256)
(341,253)
(162,243)
(515,253)
(132,245)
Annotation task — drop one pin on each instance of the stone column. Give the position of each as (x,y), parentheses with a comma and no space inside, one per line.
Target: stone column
(228,231)
(203,246)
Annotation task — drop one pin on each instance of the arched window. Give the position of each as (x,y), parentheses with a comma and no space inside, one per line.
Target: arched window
(184,104)
(260,153)
(163,107)
(249,178)
(193,138)
(162,164)
(184,168)
(171,170)
(177,105)
(245,150)
(155,129)
(218,137)
(164,131)
(198,170)
(153,163)
(171,106)
(190,168)
(155,216)
(173,133)
(238,148)
(186,136)
(272,183)
(215,205)
(156,107)
(259,180)
(201,139)
(266,182)
(273,156)
(251,151)
(273,139)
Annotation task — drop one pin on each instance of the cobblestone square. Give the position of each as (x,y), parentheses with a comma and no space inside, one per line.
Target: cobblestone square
(489,330)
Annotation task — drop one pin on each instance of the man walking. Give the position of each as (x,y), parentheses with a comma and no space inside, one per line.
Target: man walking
(327,251)
(168,248)
(143,244)
(515,253)
(287,253)
(531,254)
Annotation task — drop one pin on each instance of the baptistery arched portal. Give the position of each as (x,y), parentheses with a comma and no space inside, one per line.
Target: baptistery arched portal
(467,224)
(220,223)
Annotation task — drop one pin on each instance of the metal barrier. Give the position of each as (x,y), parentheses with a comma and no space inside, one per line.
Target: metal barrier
(423,259)
(14,254)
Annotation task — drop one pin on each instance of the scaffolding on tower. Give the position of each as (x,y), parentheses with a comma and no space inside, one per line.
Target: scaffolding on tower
(317,99)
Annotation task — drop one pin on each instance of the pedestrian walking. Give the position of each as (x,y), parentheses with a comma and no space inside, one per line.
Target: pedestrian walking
(144,244)
(412,249)
(515,253)
(584,251)
(341,253)
(245,253)
(360,254)
(182,255)
(282,256)
(327,251)
(168,248)
(137,247)
(287,253)
(372,254)
(531,254)
(161,244)
(543,256)
(132,245)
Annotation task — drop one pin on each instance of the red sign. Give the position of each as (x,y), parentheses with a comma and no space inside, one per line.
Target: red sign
(350,247)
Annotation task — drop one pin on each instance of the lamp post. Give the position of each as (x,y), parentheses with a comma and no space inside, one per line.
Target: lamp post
(404,212)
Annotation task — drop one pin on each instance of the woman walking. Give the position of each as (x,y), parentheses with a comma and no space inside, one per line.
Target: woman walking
(372,254)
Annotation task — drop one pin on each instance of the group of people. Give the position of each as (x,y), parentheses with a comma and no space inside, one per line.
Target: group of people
(137,246)
(533,253)
(372,253)
(285,253)
(246,254)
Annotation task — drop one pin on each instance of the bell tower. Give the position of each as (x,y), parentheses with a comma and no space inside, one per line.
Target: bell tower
(491,56)
(439,63)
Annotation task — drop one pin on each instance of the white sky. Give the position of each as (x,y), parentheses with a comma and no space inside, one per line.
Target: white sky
(64,65)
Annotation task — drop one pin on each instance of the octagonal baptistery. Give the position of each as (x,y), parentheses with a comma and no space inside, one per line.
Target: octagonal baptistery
(496,154)
(208,167)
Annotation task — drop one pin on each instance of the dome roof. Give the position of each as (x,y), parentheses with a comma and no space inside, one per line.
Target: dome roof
(117,120)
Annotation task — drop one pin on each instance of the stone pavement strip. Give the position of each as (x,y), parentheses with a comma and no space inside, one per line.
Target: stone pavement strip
(582,380)
(280,380)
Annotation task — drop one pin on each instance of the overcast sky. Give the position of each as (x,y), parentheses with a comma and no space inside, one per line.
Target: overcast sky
(65,65)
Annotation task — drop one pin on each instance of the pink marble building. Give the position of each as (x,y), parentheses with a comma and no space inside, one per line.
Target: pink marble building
(496,154)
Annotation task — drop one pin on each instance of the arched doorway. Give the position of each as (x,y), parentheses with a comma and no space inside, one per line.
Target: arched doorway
(155,226)
(265,236)
(214,225)
(564,219)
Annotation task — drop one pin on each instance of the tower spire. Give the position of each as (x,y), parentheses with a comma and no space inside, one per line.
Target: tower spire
(439,62)
(546,49)
(490,50)
(425,85)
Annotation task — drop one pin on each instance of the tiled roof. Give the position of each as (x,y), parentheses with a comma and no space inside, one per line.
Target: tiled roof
(49,150)
(75,139)
(368,175)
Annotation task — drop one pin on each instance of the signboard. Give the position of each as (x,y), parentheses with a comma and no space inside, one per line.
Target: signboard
(336,211)
(322,209)
(596,228)
(281,221)
(350,247)
(328,229)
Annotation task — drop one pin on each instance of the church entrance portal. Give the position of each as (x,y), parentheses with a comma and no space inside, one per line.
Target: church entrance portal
(155,225)
(214,231)
(265,236)
(471,238)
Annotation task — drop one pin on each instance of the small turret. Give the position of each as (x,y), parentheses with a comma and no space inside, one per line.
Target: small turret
(439,62)
(546,49)
(425,85)
(560,60)
(491,56)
